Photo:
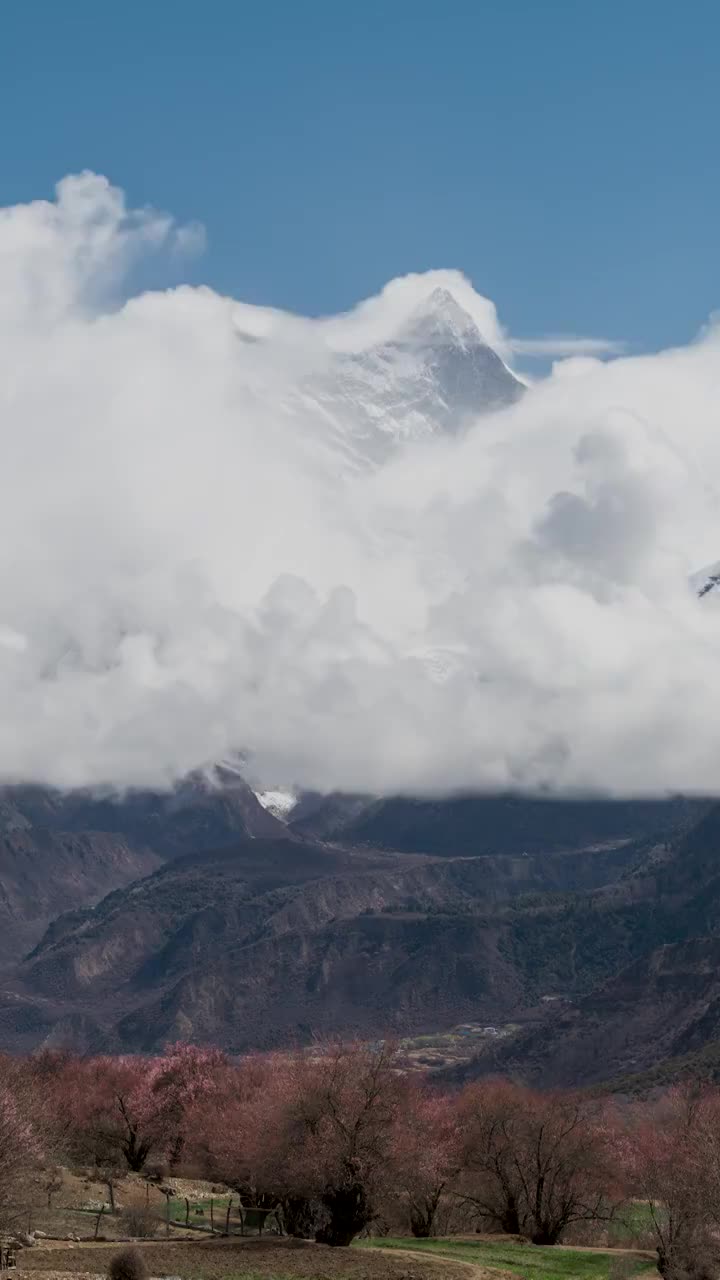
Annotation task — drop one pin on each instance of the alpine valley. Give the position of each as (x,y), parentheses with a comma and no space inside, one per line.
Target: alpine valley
(583,932)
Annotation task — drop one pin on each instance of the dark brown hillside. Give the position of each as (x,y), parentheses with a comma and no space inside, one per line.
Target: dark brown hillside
(114,942)
(268,938)
(43,873)
(268,941)
(641,959)
(63,851)
(199,813)
(472,825)
(368,975)
(665,1005)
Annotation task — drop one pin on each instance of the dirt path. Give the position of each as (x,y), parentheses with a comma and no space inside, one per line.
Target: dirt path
(472,1270)
(261,1258)
(645,1255)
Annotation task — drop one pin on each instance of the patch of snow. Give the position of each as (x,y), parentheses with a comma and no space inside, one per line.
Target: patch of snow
(279,803)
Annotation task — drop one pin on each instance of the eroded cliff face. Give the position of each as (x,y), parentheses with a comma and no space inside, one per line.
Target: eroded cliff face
(268,942)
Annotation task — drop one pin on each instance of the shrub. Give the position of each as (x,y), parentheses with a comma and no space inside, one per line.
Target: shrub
(692,1258)
(139,1221)
(128,1264)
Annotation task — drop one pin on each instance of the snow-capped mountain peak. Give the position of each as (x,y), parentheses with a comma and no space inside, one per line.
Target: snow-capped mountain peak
(432,377)
(439,320)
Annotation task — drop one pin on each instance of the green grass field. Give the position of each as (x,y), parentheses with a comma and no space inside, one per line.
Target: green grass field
(632,1224)
(200,1211)
(530,1262)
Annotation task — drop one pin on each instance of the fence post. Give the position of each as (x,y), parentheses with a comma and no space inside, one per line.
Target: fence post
(187,1212)
(167,1213)
(227,1217)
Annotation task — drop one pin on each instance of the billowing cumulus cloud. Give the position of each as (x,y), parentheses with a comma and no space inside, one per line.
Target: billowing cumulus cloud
(229,529)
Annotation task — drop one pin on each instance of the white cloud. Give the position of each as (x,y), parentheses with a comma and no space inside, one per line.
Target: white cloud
(379,318)
(193,562)
(60,257)
(376,319)
(566,345)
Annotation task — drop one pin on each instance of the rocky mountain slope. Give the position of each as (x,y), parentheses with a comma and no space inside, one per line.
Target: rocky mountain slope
(485,824)
(266,942)
(198,914)
(637,965)
(63,850)
(203,811)
(43,873)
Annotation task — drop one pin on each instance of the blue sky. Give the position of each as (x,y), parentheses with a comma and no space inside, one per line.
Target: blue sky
(563,153)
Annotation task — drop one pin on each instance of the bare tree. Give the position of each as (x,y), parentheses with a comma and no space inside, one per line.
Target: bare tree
(427,1156)
(671,1154)
(536,1163)
(340,1132)
(20,1150)
(52,1183)
(489,1115)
